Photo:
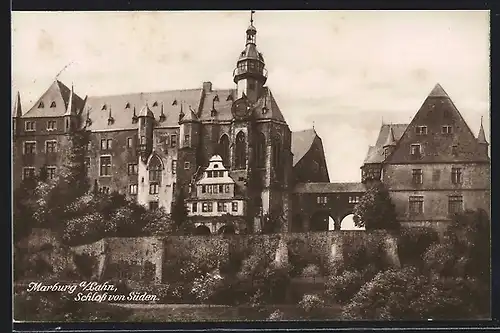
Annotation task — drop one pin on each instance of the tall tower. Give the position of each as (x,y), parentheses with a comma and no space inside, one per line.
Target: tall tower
(250,74)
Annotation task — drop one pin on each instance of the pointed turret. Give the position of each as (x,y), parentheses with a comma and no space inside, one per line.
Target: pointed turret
(70,114)
(17,110)
(481,139)
(146,112)
(250,74)
(390,143)
(190,116)
(391,140)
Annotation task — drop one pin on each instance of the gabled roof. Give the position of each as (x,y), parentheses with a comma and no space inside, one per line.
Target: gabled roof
(437,111)
(123,108)
(267,108)
(391,140)
(54,102)
(329,188)
(301,143)
(221,100)
(189,116)
(375,153)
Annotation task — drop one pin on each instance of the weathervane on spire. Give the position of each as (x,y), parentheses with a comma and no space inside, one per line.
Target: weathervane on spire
(251,16)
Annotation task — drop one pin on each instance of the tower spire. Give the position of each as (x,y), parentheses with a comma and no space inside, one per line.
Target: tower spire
(251,16)
(481,137)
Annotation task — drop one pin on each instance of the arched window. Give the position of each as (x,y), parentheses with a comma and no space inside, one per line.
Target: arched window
(260,150)
(277,152)
(224,149)
(240,160)
(155,167)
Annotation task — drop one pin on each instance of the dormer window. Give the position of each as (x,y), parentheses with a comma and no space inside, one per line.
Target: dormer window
(415,149)
(213,113)
(229,97)
(216,98)
(155,103)
(40,105)
(53,104)
(174,102)
(446,129)
(104,107)
(127,106)
(454,150)
(421,130)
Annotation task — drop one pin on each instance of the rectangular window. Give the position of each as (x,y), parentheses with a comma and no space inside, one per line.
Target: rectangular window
(421,130)
(89,145)
(221,207)
(322,199)
(29,126)
(153,205)
(416,205)
(155,175)
(105,166)
(51,125)
(51,146)
(207,207)
(186,140)
(436,175)
(28,172)
(234,206)
(129,142)
(133,169)
(415,150)
(455,204)
(353,199)
(209,174)
(210,189)
(187,165)
(106,144)
(51,172)
(454,150)
(446,129)
(456,175)
(87,164)
(132,189)
(215,189)
(29,147)
(417,176)
(105,189)
(173,141)
(143,140)
(154,188)
(174,167)
(194,207)
(203,189)
(167,141)
(221,188)
(226,188)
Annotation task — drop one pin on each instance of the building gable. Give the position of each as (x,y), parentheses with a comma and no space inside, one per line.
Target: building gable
(441,133)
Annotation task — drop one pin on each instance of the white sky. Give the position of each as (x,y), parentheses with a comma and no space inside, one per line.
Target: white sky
(343,70)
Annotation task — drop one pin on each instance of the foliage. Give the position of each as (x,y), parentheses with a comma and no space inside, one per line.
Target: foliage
(180,213)
(273,221)
(311,271)
(342,287)
(412,244)
(156,222)
(277,315)
(206,286)
(453,285)
(312,305)
(375,209)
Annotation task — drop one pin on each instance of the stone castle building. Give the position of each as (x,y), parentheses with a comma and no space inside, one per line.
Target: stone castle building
(230,151)
(231,154)
(434,166)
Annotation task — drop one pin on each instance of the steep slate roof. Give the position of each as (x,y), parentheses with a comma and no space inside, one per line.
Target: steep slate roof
(222,106)
(273,110)
(16,109)
(59,93)
(123,115)
(436,111)
(376,153)
(301,143)
(329,188)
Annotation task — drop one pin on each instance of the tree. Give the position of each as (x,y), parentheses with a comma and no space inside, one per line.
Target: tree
(179,213)
(375,209)
(273,221)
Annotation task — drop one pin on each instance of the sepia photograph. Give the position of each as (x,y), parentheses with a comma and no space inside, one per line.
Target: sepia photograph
(215,166)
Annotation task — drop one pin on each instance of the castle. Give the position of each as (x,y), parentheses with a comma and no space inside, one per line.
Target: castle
(231,153)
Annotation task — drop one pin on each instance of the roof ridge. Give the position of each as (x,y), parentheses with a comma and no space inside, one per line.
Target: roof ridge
(147,92)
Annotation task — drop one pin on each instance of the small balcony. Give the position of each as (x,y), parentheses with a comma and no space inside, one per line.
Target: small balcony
(245,69)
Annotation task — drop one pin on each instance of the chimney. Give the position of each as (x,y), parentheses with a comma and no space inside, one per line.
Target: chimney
(207,86)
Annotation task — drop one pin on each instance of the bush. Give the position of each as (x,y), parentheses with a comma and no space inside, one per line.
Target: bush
(312,305)
(277,315)
(342,287)
(205,287)
(311,271)
(412,244)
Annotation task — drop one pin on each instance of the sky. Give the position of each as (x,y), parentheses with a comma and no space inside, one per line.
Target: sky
(343,72)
